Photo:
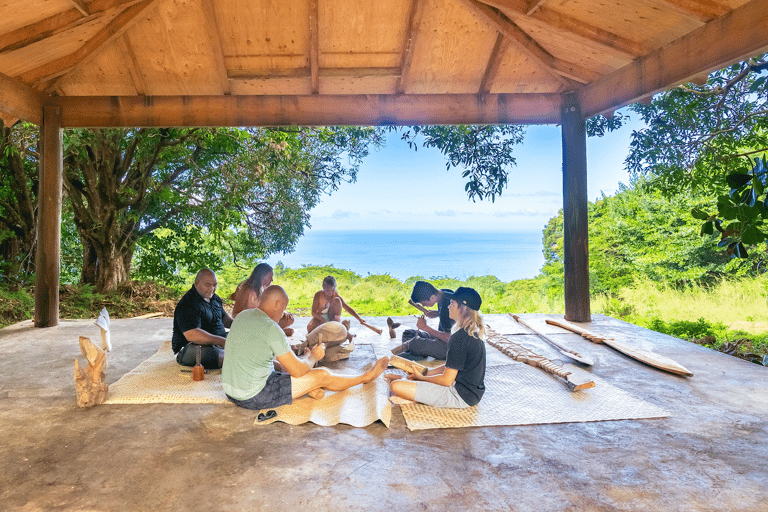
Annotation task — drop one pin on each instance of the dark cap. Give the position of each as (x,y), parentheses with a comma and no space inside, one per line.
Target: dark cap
(467,296)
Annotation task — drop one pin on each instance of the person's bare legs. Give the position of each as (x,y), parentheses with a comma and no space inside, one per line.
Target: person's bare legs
(322,378)
(313,324)
(403,388)
(334,312)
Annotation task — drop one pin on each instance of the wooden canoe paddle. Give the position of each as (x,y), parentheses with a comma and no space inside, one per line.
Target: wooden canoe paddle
(563,350)
(644,356)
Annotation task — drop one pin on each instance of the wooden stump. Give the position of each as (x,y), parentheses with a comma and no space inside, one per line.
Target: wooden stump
(89,382)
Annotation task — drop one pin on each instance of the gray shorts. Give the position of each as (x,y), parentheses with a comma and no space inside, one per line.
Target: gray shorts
(276,392)
(439,396)
(187,356)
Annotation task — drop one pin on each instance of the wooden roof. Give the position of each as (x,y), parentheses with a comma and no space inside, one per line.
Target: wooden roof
(277,62)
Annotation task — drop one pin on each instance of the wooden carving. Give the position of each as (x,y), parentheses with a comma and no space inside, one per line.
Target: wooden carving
(89,382)
(529,357)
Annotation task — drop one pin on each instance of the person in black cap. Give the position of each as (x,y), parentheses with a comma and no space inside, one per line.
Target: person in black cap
(425,341)
(459,383)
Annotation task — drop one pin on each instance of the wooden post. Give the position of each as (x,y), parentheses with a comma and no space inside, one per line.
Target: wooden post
(49,220)
(575,229)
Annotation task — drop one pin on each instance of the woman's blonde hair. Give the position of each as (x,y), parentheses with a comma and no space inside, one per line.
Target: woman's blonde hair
(471,321)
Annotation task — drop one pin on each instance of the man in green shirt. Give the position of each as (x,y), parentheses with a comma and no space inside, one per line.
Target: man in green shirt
(255,340)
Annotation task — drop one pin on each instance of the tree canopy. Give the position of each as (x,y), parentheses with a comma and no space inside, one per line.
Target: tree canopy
(153,201)
(711,139)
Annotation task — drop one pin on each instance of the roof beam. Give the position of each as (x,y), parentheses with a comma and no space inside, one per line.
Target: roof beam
(556,67)
(308,110)
(558,22)
(494,64)
(701,10)
(533,5)
(412,31)
(57,24)
(314,47)
(81,6)
(85,53)
(218,54)
(19,101)
(729,39)
(132,64)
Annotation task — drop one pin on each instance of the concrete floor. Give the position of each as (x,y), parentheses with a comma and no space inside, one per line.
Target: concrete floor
(710,455)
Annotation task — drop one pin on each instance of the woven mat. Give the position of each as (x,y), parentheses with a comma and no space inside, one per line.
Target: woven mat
(159,380)
(518,394)
(358,406)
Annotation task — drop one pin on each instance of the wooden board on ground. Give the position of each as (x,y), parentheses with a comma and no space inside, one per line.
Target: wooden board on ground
(644,356)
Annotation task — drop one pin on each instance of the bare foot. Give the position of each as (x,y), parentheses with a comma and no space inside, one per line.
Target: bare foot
(377,370)
(392,377)
(317,394)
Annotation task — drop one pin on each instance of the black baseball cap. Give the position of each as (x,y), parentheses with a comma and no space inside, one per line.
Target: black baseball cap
(467,296)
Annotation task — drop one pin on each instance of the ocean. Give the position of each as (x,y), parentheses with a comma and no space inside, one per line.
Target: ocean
(506,255)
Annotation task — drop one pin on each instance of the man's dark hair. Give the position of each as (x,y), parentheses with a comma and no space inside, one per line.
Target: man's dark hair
(422,291)
(329,281)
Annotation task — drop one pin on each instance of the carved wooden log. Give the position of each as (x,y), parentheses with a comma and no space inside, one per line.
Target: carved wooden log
(407,366)
(89,382)
(527,356)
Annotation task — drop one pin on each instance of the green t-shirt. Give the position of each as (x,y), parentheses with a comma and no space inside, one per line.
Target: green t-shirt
(254,340)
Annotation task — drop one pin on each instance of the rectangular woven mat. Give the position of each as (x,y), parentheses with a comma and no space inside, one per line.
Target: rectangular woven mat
(518,394)
(160,379)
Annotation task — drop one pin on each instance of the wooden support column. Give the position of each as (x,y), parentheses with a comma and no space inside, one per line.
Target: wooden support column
(49,220)
(575,221)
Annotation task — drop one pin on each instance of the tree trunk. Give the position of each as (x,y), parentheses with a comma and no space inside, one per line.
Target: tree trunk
(105,266)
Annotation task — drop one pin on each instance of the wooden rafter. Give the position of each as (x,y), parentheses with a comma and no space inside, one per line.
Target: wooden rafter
(494,63)
(133,66)
(701,10)
(56,69)
(18,101)
(81,6)
(57,24)
(411,32)
(560,23)
(309,110)
(215,37)
(314,47)
(558,68)
(718,44)
(533,5)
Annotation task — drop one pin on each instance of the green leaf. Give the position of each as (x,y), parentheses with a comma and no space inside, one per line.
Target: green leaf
(698,214)
(752,236)
(707,228)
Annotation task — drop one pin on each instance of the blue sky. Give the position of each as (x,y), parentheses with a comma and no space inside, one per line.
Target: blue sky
(401,189)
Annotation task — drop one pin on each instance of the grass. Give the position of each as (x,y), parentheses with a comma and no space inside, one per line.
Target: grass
(725,312)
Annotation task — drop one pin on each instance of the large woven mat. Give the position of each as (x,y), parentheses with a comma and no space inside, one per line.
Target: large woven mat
(159,380)
(358,406)
(518,394)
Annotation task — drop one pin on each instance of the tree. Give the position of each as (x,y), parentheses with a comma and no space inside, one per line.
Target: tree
(251,189)
(483,152)
(639,233)
(712,139)
(18,201)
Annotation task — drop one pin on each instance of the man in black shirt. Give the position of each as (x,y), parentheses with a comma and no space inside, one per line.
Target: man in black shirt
(425,341)
(200,321)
